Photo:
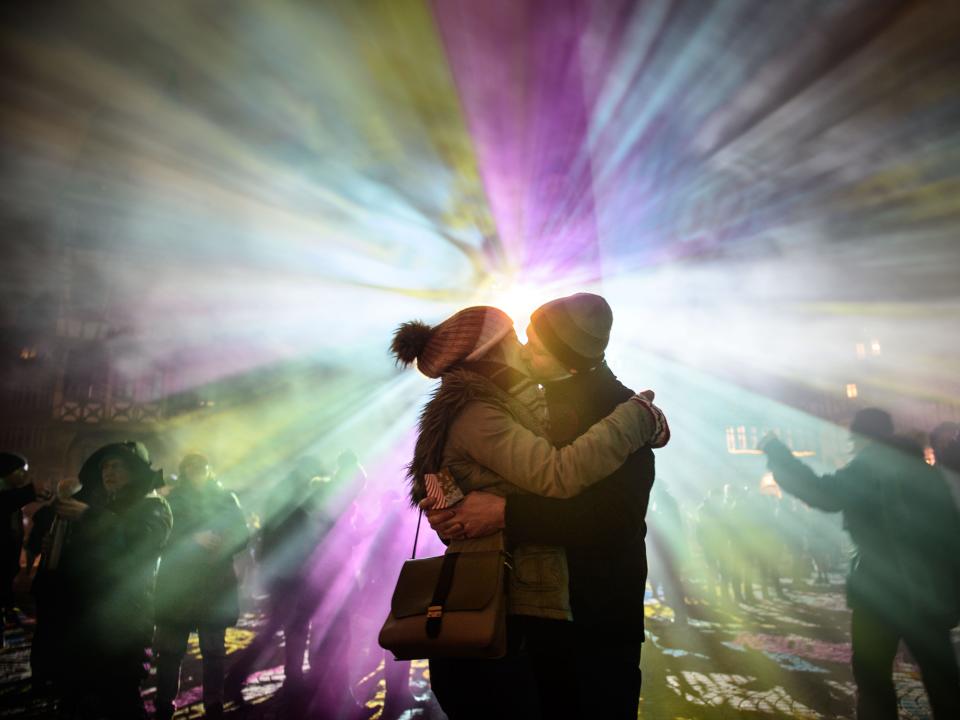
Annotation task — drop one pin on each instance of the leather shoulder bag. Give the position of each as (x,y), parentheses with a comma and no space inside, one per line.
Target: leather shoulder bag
(452,606)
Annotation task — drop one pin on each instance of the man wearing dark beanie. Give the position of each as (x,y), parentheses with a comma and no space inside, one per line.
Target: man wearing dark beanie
(575,330)
(603,528)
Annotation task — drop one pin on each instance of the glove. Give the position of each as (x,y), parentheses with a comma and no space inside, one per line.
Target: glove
(661,430)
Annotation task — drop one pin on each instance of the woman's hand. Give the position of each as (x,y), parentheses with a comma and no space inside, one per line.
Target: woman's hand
(70,509)
(479,514)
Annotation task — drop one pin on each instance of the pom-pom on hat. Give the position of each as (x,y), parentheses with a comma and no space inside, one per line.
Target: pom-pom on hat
(468,335)
(575,329)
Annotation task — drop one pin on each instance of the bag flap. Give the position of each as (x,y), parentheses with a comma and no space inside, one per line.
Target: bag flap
(476,580)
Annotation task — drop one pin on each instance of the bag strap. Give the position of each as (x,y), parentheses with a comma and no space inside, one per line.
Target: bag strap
(440,593)
(416,537)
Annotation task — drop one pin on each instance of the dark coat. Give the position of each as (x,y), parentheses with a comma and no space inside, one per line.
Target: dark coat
(903,523)
(11,532)
(288,539)
(603,528)
(97,605)
(195,586)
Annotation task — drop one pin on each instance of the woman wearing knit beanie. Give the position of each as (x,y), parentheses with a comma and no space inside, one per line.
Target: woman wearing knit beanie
(485,425)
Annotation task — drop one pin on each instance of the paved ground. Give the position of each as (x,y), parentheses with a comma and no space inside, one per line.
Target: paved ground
(772,659)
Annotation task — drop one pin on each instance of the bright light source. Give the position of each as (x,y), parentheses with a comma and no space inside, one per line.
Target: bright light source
(519,299)
(852,391)
(875,347)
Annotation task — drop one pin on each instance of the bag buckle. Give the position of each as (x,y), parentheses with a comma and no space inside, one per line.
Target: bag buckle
(435,611)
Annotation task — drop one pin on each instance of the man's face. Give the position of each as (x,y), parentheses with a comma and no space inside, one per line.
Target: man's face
(115,474)
(542,364)
(196,471)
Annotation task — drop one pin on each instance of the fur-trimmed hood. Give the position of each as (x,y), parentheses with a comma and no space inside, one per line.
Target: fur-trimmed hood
(457,389)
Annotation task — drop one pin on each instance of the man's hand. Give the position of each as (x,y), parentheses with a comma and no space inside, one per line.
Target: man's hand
(208,540)
(477,515)
(41,492)
(70,509)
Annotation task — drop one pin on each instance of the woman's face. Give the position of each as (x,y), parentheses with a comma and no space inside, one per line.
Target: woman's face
(512,352)
(115,474)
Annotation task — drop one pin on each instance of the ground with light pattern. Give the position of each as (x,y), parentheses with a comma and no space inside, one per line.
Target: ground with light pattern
(771,659)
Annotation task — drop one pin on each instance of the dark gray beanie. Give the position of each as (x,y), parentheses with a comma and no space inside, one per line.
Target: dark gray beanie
(575,329)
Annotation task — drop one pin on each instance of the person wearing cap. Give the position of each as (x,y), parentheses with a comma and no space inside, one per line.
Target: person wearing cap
(486,424)
(197,588)
(902,580)
(94,588)
(603,528)
(16,490)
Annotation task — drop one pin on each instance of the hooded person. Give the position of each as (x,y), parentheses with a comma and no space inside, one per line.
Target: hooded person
(603,528)
(486,425)
(902,580)
(95,585)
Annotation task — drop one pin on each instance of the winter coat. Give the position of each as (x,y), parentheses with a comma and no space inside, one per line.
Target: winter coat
(95,609)
(100,596)
(289,537)
(603,528)
(11,534)
(194,585)
(902,521)
(490,440)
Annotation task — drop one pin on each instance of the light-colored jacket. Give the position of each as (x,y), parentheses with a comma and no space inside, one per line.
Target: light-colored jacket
(491,441)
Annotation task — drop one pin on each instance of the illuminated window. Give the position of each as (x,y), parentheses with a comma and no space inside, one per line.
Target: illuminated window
(744,440)
(28,353)
(874,347)
(852,391)
(861,350)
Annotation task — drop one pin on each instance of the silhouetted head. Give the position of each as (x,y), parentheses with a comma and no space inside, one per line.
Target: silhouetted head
(942,435)
(13,469)
(870,425)
(195,469)
(123,466)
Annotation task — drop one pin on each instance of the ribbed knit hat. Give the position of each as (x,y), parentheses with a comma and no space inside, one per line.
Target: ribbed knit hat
(468,335)
(575,329)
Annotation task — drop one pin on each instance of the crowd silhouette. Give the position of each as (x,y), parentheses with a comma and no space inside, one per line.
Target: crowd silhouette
(103,615)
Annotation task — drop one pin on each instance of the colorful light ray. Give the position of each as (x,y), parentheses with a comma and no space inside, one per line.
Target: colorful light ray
(256,195)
